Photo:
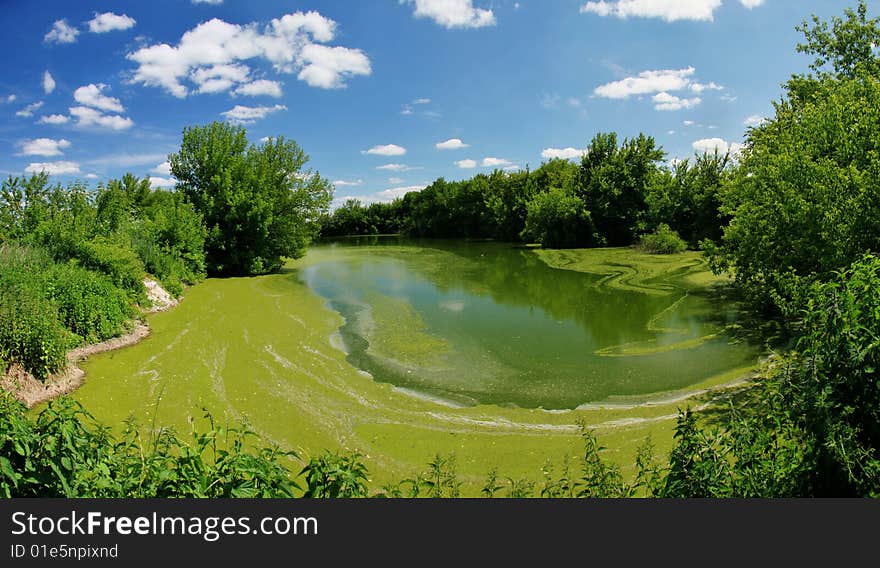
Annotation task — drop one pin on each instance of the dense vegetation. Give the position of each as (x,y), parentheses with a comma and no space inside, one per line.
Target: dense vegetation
(617,193)
(73,260)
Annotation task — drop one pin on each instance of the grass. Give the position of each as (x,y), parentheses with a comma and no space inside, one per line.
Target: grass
(259,350)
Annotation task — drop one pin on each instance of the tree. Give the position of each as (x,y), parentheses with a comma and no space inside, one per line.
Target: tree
(558,219)
(687,197)
(803,204)
(258,203)
(613,184)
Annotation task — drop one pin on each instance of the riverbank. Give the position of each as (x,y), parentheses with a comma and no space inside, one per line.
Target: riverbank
(30,391)
(259,351)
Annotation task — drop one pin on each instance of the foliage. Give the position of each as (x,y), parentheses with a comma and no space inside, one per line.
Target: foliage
(332,475)
(558,219)
(47,308)
(801,204)
(355,218)
(687,197)
(833,381)
(663,241)
(257,202)
(613,183)
(64,452)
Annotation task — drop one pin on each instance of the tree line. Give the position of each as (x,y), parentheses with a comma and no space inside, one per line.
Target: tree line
(619,192)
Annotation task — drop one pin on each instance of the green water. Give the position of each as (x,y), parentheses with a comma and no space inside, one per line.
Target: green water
(491,323)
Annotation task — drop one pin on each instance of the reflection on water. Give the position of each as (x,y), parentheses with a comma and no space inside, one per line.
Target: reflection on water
(477,322)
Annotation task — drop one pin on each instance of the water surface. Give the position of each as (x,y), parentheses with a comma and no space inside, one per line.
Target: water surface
(478,322)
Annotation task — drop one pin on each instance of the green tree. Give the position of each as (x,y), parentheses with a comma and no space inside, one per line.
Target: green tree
(258,203)
(613,184)
(803,203)
(558,219)
(687,197)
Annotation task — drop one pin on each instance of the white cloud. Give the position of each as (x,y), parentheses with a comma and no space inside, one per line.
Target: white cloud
(393,193)
(647,82)
(421,101)
(328,67)
(466,164)
(53,168)
(710,86)
(127,160)
(240,114)
(668,10)
(90,117)
(665,101)
(219,78)
(711,145)
(108,22)
(728,98)
(495,162)
(48,83)
(407,110)
(751,3)
(343,183)
(44,147)
(689,123)
(395,180)
(163,169)
(384,196)
(211,2)
(290,43)
(61,32)
(156,181)
(260,87)
(451,144)
(453,13)
(755,120)
(11,99)
(29,110)
(54,119)
(563,153)
(395,168)
(573,102)
(91,176)
(386,150)
(92,96)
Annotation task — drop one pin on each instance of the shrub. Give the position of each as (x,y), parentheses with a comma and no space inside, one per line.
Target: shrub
(88,304)
(30,333)
(120,264)
(663,241)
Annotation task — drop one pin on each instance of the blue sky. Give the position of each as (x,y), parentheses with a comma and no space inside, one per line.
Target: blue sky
(386,95)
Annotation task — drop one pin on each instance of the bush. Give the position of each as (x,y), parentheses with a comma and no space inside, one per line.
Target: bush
(121,265)
(663,241)
(47,308)
(65,452)
(30,333)
(88,304)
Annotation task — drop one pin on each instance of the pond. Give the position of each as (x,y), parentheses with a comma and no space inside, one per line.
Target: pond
(490,323)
